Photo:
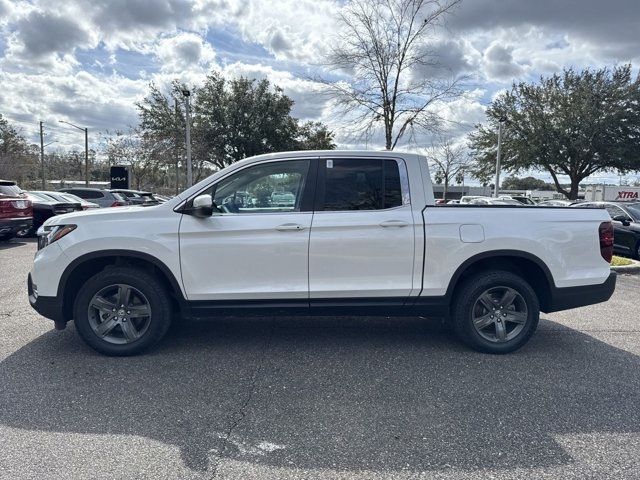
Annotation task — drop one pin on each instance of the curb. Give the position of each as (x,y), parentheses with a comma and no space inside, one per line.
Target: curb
(631,269)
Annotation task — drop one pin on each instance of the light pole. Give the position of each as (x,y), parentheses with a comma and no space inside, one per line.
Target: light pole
(187,106)
(86,150)
(501,122)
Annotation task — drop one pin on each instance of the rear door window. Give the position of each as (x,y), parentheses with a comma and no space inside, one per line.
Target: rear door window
(361,184)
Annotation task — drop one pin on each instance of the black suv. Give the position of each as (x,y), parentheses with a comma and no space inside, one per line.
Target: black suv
(626,225)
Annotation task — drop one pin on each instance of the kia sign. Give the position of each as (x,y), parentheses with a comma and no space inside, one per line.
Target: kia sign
(119,177)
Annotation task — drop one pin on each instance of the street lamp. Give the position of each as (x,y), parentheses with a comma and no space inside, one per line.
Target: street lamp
(187,95)
(86,150)
(501,122)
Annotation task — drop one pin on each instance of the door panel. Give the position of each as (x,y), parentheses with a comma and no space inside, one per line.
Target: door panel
(352,255)
(362,235)
(257,246)
(230,257)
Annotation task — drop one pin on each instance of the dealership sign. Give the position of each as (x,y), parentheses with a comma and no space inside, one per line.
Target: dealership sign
(627,195)
(119,176)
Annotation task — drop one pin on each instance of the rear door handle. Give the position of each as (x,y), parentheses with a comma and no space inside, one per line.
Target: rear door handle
(285,227)
(393,223)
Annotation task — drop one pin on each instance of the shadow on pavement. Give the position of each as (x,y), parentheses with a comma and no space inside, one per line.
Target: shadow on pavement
(350,394)
(15,242)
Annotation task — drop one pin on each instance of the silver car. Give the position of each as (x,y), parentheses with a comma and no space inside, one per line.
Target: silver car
(104,198)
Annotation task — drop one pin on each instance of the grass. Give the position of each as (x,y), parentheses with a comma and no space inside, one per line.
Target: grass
(620,261)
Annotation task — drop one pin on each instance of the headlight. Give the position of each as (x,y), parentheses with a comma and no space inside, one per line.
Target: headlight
(49,234)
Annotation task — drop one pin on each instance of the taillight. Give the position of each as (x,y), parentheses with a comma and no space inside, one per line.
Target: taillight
(606,240)
(117,204)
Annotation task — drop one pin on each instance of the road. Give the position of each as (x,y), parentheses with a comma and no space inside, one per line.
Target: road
(345,398)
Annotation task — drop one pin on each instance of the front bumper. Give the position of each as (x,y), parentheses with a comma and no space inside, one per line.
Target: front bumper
(573,297)
(49,307)
(12,225)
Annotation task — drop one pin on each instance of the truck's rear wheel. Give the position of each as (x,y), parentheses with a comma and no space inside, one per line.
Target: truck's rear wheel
(122,311)
(495,312)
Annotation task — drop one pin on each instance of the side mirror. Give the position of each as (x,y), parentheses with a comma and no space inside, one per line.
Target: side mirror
(622,219)
(202,206)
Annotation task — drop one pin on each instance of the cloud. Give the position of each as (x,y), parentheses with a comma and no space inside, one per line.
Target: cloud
(448,58)
(610,29)
(183,52)
(41,33)
(498,63)
(90,60)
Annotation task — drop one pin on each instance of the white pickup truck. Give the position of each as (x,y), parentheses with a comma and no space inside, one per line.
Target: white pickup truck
(318,233)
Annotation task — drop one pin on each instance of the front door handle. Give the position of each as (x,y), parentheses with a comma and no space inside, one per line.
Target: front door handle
(285,227)
(394,223)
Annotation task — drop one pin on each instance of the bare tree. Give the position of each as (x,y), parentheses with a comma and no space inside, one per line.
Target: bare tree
(448,162)
(383,46)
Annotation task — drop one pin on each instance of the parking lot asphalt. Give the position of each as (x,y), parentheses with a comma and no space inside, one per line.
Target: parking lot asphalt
(339,398)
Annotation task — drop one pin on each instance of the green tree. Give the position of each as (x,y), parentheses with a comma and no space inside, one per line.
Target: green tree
(526,183)
(232,119)
(314,136)
(574,124)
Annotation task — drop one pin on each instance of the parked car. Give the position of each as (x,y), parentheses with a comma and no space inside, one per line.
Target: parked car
(495,201)
(44,207)
(138,197)
(104,198)
(16,211)
(362,237)
(467,198)
(556,203)
(626,225)
(520,198)
(69,197)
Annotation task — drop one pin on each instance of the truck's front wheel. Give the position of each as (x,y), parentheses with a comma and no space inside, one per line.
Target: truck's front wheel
(122,311)
(495,311)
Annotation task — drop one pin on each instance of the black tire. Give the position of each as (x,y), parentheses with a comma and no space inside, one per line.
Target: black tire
(5,238)
(469,304)
(156,324)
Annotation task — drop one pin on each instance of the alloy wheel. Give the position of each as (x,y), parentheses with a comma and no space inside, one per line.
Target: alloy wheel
(499,314)
(119,314)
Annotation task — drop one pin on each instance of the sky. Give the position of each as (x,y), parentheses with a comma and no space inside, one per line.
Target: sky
(89,61)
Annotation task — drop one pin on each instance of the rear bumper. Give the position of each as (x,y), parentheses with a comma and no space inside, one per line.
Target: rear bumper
(573,297)
(13,225)
(49,307)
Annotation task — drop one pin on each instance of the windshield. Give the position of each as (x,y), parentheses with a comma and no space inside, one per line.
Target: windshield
(10,190)
(40,197)
(71,197)
(634,210)
(120,197)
